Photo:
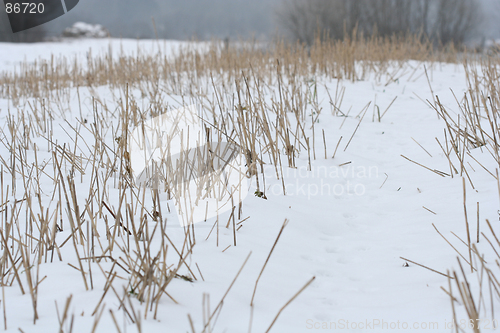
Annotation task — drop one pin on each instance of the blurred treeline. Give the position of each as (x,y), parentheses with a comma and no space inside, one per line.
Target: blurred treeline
(442,21)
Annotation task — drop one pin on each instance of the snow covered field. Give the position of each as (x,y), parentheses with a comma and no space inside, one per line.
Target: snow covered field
(349,219)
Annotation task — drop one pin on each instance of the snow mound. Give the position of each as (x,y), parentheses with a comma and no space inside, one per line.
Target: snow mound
(81,29)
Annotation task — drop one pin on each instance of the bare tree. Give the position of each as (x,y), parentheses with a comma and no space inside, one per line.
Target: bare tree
(455,19)
(442,21)
(304,19)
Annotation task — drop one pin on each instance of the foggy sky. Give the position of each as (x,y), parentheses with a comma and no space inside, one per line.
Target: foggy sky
(204,19)
(174,19)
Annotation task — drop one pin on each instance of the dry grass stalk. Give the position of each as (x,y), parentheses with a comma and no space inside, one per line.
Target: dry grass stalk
(467,225)
(427,209)
(440,173)
(267,259)
(440,234)
(432,270)
(219,305)
(290,301)
(250,100)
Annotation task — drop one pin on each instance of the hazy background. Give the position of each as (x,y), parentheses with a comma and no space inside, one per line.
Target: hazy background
(203,19)
(174,19)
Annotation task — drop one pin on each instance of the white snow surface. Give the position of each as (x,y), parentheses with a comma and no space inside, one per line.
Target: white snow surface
(348,225)
(12,55)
